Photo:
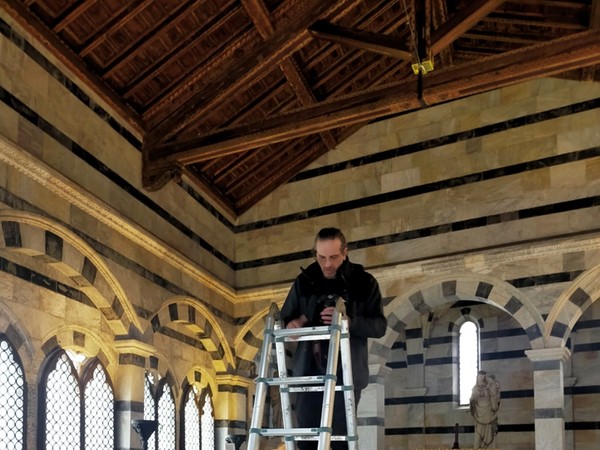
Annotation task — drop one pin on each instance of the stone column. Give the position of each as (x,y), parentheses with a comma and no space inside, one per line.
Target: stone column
(231,404)
(371,409)
(129,391)
(548,388)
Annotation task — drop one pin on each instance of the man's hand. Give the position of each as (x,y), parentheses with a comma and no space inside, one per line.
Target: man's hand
(298,322)
(327,315)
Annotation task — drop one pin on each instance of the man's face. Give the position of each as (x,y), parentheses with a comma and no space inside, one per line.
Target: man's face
(330,256)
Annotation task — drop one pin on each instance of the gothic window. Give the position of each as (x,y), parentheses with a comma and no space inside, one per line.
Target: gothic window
(166,418)
(70,400)
(12,397)
(468,359)
(208,423)
(159,405)
(150,407)
(99,414)
(191,420)
(198,420)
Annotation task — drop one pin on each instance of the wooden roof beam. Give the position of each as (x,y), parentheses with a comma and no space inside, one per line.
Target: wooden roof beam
(258,13)
(546,59)
(252,66)
(445,35)
(371,42)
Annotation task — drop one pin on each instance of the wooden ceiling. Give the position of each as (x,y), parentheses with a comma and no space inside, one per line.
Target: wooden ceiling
(242,95)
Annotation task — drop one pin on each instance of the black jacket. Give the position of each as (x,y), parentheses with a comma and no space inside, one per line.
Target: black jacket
(363,306)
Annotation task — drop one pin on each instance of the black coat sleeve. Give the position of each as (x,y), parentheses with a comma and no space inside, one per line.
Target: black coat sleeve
(365,308)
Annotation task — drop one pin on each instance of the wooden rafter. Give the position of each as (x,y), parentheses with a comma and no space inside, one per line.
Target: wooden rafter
(372,42)
(444,36)
(251,67)
(258,14)
(545,59)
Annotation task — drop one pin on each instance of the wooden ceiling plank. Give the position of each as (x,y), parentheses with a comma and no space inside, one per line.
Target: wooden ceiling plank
(542,24)
(71,61)
(139,80)
(233,166)
(249,68)
(450,31)
(371,42)
(120,18)
(545,59)
(147,38)
(72,14)
(282,173)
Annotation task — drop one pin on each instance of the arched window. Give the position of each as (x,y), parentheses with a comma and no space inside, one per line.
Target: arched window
(69,400)
(99,412)
(150,407)
(166,418)
(12,397)
(468,359)
(191,419)
(198,420)
(159,405)
(208,423)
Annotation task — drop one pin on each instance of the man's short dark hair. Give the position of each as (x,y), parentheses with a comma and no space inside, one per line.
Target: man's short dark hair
(330,233)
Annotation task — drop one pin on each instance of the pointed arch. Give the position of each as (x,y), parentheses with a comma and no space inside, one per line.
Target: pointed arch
(248,341)
(12,327)
(62,250)
(201,322)
(570,305)
(82,340)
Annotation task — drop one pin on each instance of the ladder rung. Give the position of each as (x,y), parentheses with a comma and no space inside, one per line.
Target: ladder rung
(304,333)
(313,389)
(298,383)
(293,381)
(304,434)
(273,432)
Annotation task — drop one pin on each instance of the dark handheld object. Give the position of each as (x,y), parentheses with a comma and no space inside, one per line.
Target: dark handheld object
(322,302)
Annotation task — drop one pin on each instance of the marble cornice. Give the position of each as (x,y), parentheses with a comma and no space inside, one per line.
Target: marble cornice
(480,262)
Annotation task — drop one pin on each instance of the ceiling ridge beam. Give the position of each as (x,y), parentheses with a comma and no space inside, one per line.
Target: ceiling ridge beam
(549,58)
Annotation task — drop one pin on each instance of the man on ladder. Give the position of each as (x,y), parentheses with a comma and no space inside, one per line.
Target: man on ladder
(309,304)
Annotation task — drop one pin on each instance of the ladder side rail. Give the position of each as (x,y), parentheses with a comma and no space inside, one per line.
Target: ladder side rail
(284,392)
(348,387)
(261,383)
(325,430)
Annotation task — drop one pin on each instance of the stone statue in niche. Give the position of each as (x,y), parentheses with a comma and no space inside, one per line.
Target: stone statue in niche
(484,404)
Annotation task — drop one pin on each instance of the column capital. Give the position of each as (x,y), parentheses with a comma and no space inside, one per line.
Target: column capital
(135,347)
(562,354)
(234,380)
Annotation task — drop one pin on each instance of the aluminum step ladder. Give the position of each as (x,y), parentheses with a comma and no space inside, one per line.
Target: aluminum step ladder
(339,341)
